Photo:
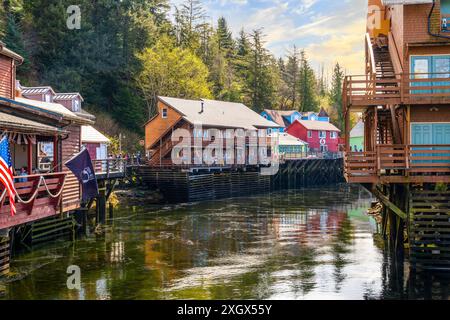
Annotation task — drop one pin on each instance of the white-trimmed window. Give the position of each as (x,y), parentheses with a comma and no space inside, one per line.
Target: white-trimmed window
(76,105)
(333,134)
(48,97)
(322,134)
(164,113)
(309,134)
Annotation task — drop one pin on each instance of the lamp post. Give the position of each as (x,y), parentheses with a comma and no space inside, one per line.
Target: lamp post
(120,142)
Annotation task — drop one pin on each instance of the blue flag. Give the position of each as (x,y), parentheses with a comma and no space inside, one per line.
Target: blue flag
(82,167)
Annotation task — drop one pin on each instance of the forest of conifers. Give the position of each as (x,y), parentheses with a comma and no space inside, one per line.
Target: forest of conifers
(127,52)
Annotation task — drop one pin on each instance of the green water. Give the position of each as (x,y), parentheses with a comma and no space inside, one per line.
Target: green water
(305,244)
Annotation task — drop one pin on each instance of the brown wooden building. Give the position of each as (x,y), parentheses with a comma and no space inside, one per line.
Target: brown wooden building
(173,113)
(43,135)
(404,102)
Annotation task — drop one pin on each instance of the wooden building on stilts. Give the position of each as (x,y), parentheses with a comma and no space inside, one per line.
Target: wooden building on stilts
(42,135)
(404,102)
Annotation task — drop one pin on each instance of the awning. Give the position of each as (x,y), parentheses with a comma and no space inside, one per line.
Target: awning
(10,123)
(92,135)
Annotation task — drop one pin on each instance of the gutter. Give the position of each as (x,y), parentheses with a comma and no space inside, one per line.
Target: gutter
(429,24)
(39,111)
(11,54)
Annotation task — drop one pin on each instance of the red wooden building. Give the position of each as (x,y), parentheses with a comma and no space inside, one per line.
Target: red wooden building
(321,136)
(43,135)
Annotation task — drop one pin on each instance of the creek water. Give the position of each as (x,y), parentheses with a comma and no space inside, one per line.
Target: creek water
(315,243)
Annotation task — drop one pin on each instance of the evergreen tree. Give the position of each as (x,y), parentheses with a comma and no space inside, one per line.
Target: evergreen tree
(13,38)
(190,21)
(307,86)
(261,76)
(336,94)
(291,77)
(225,39)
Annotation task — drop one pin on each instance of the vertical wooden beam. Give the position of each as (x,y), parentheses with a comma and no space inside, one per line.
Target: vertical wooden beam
(347,130)
(375,127)
(30,157)
(101,203)
(55,154)
(396,135)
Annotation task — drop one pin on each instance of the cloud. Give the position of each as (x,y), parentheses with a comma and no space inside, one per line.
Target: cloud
(328,30)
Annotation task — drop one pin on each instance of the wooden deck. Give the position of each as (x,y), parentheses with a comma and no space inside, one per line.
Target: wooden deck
(41,198)
(399,164)
(407,88)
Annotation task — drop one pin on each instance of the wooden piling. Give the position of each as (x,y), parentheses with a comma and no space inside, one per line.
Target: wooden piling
(5,254)
(111,211)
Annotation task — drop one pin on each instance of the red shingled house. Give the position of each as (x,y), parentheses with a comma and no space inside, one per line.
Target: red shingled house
(321,136)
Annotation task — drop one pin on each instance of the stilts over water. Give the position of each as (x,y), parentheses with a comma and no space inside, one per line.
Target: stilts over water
(404,103)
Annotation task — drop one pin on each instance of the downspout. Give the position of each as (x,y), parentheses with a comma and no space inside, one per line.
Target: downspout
(429,24)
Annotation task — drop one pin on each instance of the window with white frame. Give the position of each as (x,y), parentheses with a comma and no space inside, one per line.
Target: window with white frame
(333,134)
(48,97)
(309,134)
(76,105)
(322,134)
(164,113)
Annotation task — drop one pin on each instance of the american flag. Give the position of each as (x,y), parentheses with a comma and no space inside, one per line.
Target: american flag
(6,173)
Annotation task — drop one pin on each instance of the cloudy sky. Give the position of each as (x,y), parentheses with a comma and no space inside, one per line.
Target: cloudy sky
(329,30)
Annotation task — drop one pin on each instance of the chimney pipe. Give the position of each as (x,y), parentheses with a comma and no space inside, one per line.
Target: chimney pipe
(203,107)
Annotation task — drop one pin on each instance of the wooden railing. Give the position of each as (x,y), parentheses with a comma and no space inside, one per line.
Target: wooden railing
(399,161)
(108,167)
(407,88)
(39,196)
(311,155)
(395,55)
(370,57)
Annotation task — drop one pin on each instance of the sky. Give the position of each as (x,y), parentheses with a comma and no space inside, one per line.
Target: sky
(330,31)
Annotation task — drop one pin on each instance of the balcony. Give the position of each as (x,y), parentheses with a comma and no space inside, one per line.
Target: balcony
(39,196)
(407,88)
(399,164)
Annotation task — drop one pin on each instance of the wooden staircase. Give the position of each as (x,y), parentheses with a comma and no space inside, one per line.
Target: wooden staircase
(158,157)
(383,63)
(429,229)
(384,132)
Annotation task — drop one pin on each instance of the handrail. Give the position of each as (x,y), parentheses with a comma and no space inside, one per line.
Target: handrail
(371,54)
(52,174)
(398,61)
(403,88)
(403,159)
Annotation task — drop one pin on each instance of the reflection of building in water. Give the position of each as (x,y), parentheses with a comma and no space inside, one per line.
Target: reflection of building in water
(117,252)
(101,290)
(310,227)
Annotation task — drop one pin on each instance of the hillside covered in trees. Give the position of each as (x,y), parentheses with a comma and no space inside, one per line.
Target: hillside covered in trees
(127,52)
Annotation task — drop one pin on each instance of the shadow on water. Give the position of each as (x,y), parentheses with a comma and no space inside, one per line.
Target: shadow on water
(315,243)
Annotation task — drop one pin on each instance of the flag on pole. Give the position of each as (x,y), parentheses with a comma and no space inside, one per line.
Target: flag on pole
(82,167)
(6,173)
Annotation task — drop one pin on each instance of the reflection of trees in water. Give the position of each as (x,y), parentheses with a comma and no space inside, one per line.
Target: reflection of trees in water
(341,244)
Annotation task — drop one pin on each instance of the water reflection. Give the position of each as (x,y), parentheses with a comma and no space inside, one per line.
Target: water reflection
(306,244)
